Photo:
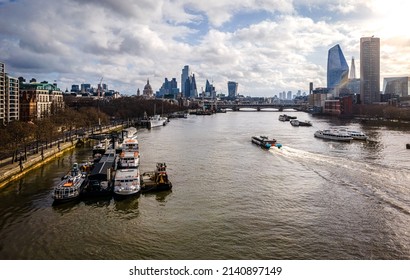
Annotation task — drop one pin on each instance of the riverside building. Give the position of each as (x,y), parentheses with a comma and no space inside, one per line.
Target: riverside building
(369,70)
(337,69)
(9,97)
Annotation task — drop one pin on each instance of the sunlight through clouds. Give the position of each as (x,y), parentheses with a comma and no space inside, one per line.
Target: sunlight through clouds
(267,46)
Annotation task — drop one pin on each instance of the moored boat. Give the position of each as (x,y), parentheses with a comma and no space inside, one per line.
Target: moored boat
(156,180)
(129,132)
(128,159)
(263,141)
(334,135)
(70,186)
(127,182)
(157,120)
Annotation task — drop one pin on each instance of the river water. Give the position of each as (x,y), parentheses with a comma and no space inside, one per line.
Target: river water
(311,199)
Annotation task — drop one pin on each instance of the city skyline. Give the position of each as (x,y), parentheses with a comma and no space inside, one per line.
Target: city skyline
(267,47)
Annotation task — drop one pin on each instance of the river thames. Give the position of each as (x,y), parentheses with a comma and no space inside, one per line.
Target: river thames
(311,199)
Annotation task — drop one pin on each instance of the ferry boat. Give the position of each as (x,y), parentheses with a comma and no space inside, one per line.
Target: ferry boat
(334,135)
(130,145)
(357,135)
(127,182)
(156,180)
(70,186)
(128,159)
(263,141)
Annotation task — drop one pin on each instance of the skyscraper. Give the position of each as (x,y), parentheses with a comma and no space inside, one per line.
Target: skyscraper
(232,89)
(369,70)
(352,74)
(337,68)
(184,77)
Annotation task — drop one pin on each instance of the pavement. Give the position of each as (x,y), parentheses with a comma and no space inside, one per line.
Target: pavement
(12,171)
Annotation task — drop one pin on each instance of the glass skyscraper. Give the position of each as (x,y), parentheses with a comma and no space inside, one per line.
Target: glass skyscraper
(369,70)
(232,89)
(337,68)
(184,78)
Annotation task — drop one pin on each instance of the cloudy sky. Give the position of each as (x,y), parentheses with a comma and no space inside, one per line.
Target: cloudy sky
(267,46)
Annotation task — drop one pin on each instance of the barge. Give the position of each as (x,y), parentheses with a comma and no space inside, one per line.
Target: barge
(263,141)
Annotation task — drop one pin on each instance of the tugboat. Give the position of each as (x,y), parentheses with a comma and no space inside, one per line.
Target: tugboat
(70,186)
(263,141)
(156,180)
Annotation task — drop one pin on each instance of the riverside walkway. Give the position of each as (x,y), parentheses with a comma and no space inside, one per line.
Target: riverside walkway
(10,171)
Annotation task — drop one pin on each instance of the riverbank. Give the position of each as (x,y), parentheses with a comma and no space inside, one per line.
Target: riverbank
(15,170)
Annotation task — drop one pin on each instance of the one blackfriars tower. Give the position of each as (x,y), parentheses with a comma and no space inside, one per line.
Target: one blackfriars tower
(337,68)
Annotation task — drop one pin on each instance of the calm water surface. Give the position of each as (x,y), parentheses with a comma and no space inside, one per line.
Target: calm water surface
(312,199)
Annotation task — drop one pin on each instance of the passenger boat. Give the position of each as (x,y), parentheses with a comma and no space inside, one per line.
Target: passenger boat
(335,135)
(263,141)
(128,159)
(357,135)
(127,182)
(157,120)
(70,186)
(295,122)
(130,145)
(130,132)
(156,180)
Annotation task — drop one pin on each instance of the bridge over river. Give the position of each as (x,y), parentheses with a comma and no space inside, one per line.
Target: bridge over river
(257,106)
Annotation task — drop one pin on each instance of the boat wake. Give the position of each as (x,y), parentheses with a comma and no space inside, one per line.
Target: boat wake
(388,184)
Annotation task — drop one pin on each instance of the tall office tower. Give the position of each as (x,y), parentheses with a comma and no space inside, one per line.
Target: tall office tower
(232,89)
(85,87)
(184,77)
(369,70)
(310,88)
(2,92)
(337,68)
(289,95)
(210,90)
(352,74)
(193,93)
